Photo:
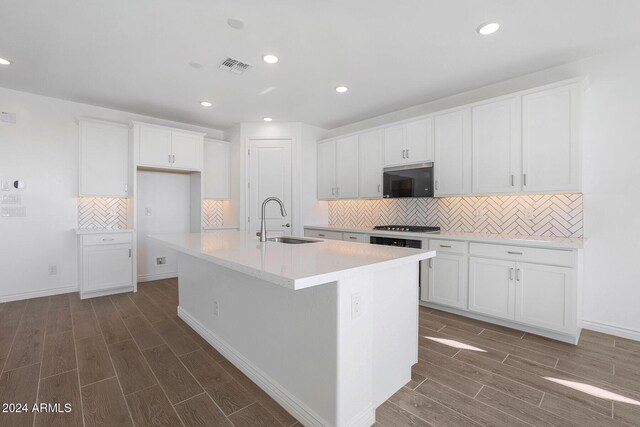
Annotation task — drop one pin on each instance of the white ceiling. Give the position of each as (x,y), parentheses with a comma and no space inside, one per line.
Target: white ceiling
(134,55)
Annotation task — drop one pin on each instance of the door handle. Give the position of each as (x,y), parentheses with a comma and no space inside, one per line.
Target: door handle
(518,275)
(286,225)
(511,274)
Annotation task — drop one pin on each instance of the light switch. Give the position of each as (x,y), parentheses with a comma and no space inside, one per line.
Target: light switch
(147,211)
(19,185)
(6,185)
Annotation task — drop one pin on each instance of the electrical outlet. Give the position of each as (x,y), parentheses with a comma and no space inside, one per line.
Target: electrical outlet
(161,260)
(6,185)
(53,270)
(147,211)
(356,305)
(529,215)
(216,309)
(8,117)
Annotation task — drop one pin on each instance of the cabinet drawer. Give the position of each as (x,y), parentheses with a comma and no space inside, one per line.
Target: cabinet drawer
(355,237)
(322,234)
(453,246)
(520,253)
(106,239)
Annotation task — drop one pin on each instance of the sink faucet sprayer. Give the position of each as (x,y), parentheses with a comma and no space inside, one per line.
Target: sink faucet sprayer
(263,227)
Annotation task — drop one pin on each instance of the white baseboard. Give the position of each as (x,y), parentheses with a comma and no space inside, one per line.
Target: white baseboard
(156,276)
(618,331)
(40,293)
(302,412)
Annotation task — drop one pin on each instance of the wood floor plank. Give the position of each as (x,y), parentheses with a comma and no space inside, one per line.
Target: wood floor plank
(143,333)
(150,407)
(254,415)
(473,324)
(28,343)
(208,348)
(59,302)
(59,354)
(59,321)
(174,378)
(201,411)
(454,380)
(102,305)
(460,337)
(94,363)
(131,367)
(567,408)
(390,415)
(148,309)
(19,385)
(76,304)
(467,406)
(429,410)
(228,394)
(85,324)
(36,308)
(12,312)
(125,306)
(7,334)
(175,337)
(627,344)
(60,389)
(627,413)
(103,405)
(113,328)
(416,380)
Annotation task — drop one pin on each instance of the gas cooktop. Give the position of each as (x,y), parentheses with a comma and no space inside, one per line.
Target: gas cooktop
(409,228)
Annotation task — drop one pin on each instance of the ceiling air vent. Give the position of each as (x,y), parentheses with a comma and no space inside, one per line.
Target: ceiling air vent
(234,66)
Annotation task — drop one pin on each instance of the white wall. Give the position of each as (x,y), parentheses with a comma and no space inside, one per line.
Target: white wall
(42,149)
(167,197)
(611,173)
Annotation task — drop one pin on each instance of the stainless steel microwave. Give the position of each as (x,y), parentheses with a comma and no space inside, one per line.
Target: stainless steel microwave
(408,181)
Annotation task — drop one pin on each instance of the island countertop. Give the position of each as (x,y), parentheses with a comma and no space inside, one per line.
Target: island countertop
(296,266)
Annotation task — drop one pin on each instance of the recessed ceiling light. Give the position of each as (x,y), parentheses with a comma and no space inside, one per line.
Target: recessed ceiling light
(206,104)
(270,59)
(488,28)
(341,89)
(4,61)
(267,119)
(235,23)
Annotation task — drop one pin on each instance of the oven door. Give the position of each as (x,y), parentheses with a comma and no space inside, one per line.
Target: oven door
(408,181)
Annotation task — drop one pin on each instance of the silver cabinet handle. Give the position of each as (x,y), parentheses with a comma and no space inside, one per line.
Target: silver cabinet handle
(404,154)
(286,225)
(524,179)
(437,184)
(333,191)
(129,253)
(378,188)
(514,253)
(108,240)
(445,246)
(169,158)
(518,274)
(174,158)
(126,188)
(430,262)
(337,191)
(353,238)
(511,274)
(407,153)
(512,180)
(320,235)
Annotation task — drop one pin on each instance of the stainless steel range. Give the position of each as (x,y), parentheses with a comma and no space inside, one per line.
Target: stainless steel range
(409,228)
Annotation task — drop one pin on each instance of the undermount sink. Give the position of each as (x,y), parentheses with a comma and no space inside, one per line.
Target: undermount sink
(291,240)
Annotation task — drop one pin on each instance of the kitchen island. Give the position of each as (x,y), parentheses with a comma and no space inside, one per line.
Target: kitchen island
(327,328)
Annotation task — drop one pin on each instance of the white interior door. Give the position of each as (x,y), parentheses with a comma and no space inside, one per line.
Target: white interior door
(270,176)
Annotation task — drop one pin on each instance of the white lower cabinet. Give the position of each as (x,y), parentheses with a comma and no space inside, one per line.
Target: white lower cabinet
(106,264)
(448,280)
(492,287)
(322,234)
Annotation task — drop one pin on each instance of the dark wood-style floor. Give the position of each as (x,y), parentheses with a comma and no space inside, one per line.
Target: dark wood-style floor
(129,360)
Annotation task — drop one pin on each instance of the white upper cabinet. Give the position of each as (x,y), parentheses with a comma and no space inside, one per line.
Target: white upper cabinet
(104,159)
(168,148)
(327,170)
(347,167)
(453,153)
(370,150)
(550,149)
(409,143)
(497,147)
(215,171)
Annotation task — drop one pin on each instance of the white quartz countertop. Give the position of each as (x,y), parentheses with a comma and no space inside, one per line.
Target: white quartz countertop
(295,266)
(507,239)
(102,230)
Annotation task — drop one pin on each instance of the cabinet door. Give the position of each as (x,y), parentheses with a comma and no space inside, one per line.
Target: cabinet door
(327,170)
(492,287)
(186,151)
(544,296)
(497,147)
(347,168)
(447,280)
(419,140)
(394,146)
(106,267)
(550,141)
(155,147)
(104,159)
(215,171)
(370,146)
(453,153)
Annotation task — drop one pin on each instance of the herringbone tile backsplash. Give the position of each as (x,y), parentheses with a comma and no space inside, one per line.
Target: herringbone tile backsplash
(102,212)
(213,213)
(526,215)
